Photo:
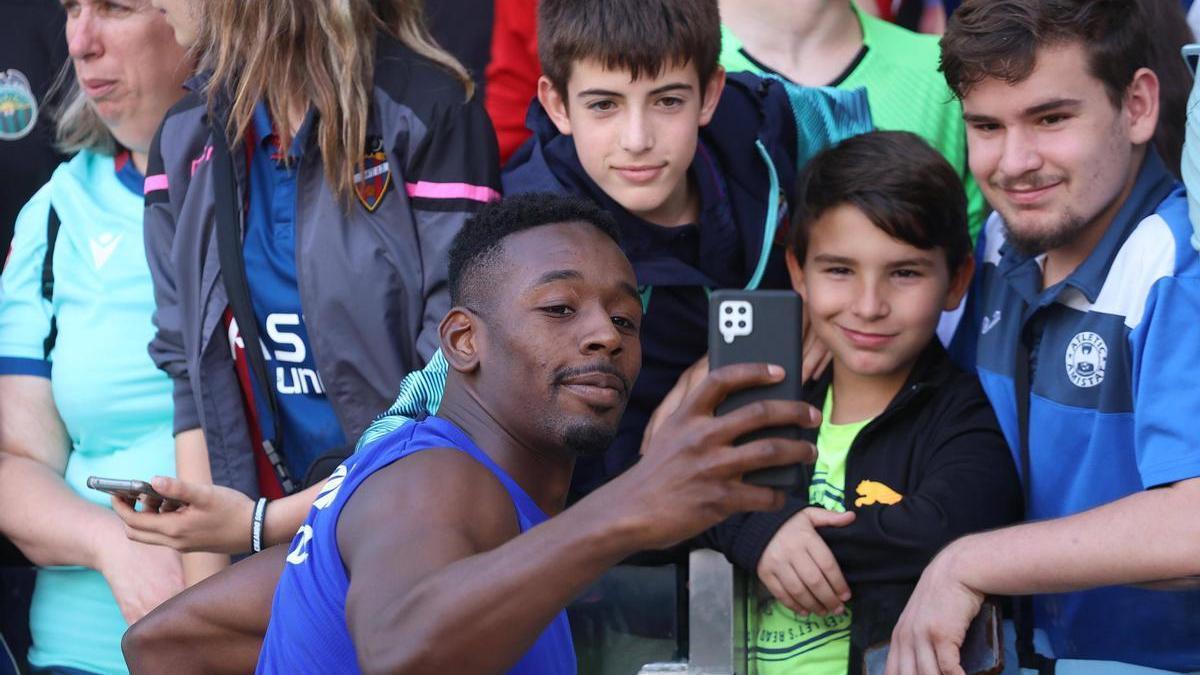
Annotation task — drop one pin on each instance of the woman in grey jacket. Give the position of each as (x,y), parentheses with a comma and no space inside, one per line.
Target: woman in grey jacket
(343,150)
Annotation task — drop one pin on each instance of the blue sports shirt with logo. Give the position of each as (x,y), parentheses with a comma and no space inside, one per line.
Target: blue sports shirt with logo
(1113,351)
(310,426)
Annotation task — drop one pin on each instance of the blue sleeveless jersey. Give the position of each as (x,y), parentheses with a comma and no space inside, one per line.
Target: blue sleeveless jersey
(308,632)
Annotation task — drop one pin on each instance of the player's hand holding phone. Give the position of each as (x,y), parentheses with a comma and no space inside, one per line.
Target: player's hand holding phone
(759,326)
(691,475)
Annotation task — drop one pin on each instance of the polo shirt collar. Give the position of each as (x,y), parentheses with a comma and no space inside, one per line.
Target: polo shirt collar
(264,131)
(1153,184)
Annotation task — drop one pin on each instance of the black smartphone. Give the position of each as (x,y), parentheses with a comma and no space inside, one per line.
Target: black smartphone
(982,651)
(759,327)
(131,490)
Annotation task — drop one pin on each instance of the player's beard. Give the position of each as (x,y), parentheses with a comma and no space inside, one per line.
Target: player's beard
(588,440)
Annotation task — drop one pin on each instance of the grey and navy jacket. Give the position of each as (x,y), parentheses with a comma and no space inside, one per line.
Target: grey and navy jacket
(745,170)
(372,282)
(937,445)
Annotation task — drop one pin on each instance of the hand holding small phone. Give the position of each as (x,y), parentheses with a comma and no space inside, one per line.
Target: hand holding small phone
(134,491)
(982,651)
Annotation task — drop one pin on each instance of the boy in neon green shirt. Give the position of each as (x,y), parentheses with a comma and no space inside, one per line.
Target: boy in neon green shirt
(910,453)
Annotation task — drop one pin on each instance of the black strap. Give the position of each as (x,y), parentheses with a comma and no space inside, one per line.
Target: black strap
(52,224)
(233,272)
(1027,656)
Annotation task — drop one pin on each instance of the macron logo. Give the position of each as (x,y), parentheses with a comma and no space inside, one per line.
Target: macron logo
(103,247)
(989,322)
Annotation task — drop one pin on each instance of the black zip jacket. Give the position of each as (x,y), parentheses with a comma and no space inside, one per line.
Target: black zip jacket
(939,445)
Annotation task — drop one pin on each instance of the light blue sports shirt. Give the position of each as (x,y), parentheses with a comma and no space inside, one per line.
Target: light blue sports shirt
(115,404)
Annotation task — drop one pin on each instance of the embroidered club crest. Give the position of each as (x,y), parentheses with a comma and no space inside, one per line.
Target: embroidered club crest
(18,106)
(1087,355)
(372,183)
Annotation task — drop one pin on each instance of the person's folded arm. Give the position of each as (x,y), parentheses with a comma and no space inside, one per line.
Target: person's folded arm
(216,626)
(969,484)
(46,519)
(52,524)
(744,536)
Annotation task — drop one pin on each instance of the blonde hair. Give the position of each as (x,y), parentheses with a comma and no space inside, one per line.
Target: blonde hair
(286,53)
(77,125)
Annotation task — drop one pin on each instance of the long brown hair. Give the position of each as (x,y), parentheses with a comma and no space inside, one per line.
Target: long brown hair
(317,53)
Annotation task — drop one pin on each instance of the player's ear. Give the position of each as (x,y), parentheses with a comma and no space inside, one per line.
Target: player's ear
(459,332)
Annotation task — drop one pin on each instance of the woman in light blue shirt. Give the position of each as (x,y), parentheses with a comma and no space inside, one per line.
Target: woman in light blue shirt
(79,394)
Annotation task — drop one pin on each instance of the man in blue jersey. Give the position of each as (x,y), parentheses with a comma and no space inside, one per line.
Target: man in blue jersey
(1081,325)
(440,548)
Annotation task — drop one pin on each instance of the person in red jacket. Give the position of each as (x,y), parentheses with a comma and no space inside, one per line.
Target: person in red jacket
(513,72)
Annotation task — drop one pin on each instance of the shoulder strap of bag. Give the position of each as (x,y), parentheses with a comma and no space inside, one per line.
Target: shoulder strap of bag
(52,225)
(1027,656)
(233,272)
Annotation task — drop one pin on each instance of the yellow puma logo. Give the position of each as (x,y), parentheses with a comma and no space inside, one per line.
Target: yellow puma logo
(873,492)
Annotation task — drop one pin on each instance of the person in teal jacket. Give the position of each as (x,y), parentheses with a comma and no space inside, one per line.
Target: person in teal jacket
(79,395)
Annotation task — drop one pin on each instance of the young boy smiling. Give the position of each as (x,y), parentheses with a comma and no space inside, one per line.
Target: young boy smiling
(910,454)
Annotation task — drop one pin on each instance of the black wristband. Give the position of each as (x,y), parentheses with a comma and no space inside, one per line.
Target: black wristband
(256,525)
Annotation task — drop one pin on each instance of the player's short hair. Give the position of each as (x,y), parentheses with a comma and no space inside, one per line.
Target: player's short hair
(477,248)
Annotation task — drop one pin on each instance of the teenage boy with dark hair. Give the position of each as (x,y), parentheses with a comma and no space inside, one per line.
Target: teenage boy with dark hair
(1081,326)
(444,547)
(910,454)
(635,113)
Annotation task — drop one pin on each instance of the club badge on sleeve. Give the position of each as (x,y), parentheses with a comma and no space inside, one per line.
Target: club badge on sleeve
(18,106)
(372,183)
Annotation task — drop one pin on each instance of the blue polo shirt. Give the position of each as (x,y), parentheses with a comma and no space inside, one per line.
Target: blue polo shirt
(309,426)
(1113,403)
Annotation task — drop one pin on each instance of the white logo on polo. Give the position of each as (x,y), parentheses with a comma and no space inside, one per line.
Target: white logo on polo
(989,322)
(736,319)
(1087,355)
(103,247)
